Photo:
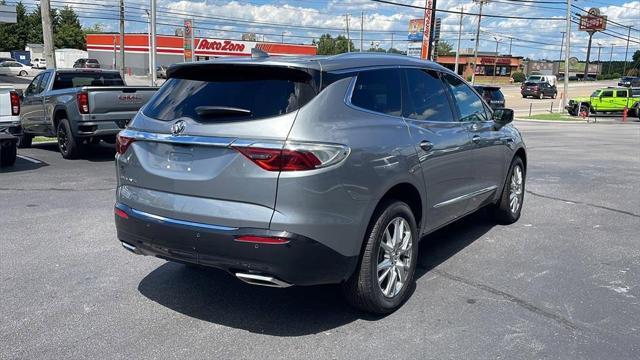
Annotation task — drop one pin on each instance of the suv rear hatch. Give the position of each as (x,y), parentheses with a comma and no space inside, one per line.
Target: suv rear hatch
(185,161)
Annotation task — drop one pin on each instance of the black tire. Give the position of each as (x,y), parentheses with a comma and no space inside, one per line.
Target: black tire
(502,211)
(555,94)
(7,154)
(68,145)
(541,96)
(24,141)
(362,290)
(22,73)
(585,109)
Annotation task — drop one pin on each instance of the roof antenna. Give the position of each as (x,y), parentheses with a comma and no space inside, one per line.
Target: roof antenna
(258,53)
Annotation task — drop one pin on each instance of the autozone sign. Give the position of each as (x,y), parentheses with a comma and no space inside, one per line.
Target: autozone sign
(225,46)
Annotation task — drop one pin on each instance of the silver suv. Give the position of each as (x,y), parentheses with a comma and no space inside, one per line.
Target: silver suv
(313,170)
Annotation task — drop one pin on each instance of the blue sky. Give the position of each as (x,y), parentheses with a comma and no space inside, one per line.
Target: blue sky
(303,20)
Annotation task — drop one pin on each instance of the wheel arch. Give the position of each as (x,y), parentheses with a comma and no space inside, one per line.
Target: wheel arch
(59,113)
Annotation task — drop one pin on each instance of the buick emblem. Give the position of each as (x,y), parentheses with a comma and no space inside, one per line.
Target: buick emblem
(178,127)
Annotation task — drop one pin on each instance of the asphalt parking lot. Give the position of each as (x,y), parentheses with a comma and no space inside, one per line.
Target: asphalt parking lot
(562,283)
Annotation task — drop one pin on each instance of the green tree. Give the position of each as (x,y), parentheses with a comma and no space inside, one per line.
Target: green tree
(326,45)
(396,51)
(14,36)
(70,33)
(444,48)
(341,45)
(378,49)
(636,57)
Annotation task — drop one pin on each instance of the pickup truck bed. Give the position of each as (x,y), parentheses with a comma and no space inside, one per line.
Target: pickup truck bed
(79,107)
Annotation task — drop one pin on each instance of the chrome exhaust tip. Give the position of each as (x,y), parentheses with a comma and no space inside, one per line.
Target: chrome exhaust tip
(262,280)
(130,247)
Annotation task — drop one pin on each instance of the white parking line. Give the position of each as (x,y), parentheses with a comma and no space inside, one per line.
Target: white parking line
(35,161)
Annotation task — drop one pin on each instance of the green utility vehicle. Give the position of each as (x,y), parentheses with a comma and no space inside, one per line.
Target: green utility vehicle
(609,99)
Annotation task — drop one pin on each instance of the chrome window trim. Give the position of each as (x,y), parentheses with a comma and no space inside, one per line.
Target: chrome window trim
(466,196)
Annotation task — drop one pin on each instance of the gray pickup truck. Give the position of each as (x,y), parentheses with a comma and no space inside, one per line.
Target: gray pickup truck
(79,107)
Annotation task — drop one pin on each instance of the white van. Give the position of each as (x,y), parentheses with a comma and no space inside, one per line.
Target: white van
(551,79)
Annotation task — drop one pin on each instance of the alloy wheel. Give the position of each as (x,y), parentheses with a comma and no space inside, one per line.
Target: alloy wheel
(515,189)
(62,139)
(394,257)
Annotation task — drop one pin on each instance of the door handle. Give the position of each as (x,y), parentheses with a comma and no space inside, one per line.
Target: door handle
(426,145)
(476,139)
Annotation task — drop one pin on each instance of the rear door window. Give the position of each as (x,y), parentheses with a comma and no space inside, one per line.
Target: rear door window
(426,98)
(469,104)
(621,93)
(378,91)
(607,93)
(230,93)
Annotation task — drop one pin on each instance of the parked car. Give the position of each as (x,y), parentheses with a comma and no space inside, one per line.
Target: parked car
(551,79)
(367,153)
(14,68)
(492,95)
(39,63)
(3,59)
(609,99)
(635,92)
(629,81)
(9,124)
(161,72)
(538,90)
(86,64)
(79,106)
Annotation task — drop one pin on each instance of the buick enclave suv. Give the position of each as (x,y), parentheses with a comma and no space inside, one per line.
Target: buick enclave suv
(313,170)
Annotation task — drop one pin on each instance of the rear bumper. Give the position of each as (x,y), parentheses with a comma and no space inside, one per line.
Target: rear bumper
(530,93)
(301,261)
(102,124)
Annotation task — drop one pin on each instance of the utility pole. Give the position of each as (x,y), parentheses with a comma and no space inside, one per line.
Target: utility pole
(562,45)
(599,72)
(586,65)
(149,40)
(47,35)
(475,53)
(565,94)
(392,40)
(626,52)
(610,59)
(362,32)
(153,43)
(122,38)
(459,40)
(510,45)
(495,61)
(346,16)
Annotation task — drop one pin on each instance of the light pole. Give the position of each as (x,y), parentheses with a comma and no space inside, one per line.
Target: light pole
(149,40)
(459,39)
(565,93)
(475,53)
(610,59)
(626,52)
(562,45)
(599,65)
(153,43)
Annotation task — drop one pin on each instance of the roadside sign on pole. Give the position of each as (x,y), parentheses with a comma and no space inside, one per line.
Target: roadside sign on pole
(426,32)
(188,43)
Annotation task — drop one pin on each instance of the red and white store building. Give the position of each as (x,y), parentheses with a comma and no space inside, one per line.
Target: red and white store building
(105,48)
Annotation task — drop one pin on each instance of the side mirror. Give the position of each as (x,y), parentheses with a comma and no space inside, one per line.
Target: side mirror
(502,116)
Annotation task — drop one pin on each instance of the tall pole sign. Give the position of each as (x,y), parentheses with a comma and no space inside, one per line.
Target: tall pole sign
(592,23)
(426,33)
(188,40)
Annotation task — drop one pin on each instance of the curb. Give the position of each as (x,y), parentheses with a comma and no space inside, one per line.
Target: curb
(554,121)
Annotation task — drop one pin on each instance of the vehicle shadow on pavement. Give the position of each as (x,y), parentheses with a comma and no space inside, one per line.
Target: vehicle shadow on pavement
(22,165)
(94,153)
(215,296)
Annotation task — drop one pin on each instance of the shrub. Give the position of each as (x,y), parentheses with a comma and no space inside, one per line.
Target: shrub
(518,77)
(615,75)
(600,77)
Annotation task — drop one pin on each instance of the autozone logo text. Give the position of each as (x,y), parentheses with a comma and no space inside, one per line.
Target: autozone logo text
(224,45)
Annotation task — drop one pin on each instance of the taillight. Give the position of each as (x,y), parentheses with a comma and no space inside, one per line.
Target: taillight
(262,239)
(83,102)
(122,143)
(295,156)
(15,103)
(120,213)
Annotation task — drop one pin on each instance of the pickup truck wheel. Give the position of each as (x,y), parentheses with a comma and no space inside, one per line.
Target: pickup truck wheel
(24,141)
(509,206)
(384,277)
(7,153)
(68,145)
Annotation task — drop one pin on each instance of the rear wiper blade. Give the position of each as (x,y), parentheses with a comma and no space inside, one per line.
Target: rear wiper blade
(218,111)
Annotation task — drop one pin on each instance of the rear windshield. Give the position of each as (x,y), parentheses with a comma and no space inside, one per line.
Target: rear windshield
(491,94)
(534,78)
(66,80)
(531,83)
(93,61)
(210,95)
